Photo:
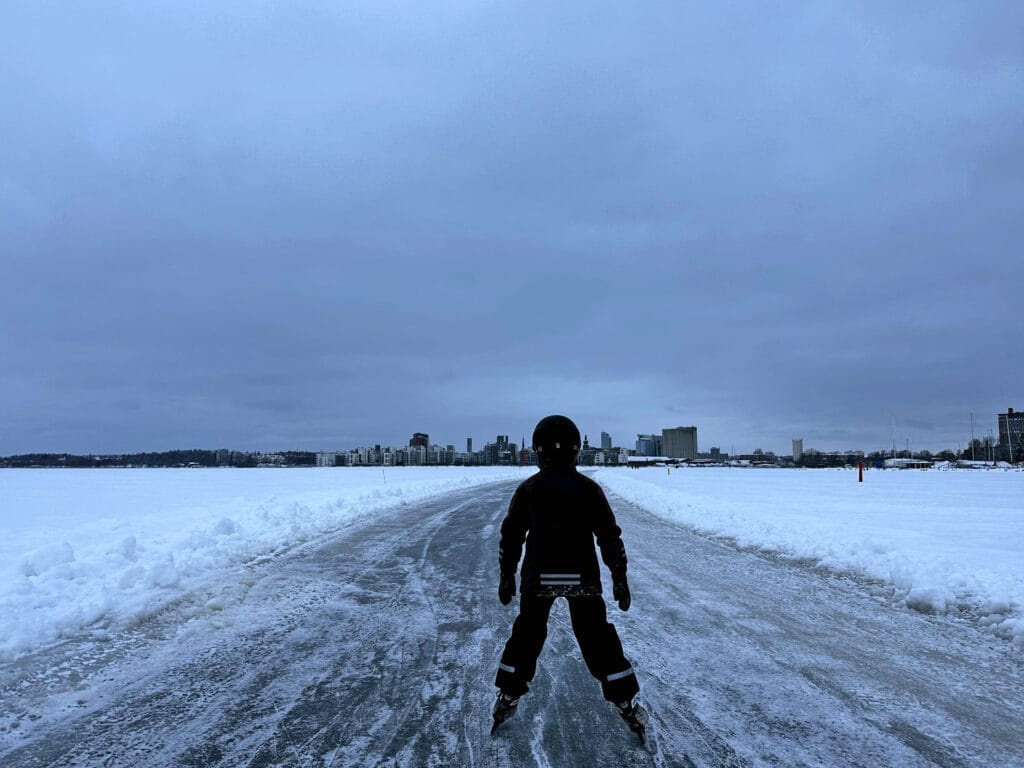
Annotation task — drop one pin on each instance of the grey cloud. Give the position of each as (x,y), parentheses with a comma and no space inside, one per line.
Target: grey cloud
(330,224)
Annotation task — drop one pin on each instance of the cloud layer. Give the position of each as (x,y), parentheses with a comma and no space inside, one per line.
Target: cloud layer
(276,225)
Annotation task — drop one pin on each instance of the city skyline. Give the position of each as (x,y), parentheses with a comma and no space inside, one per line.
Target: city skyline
(1009,424)
(897,433)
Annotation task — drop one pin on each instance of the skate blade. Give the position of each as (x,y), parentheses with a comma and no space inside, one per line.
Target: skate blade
(497,723)
(638,725)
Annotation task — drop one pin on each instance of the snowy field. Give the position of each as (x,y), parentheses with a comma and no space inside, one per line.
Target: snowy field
(98,549)
(375,642)
(941,541)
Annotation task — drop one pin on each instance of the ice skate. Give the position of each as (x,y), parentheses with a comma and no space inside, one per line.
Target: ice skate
(635,717)
(504,708)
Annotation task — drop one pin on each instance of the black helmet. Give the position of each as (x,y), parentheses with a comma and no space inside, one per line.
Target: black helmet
(556,440)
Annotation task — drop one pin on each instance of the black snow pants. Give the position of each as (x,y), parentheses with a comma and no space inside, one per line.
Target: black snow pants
(599,643)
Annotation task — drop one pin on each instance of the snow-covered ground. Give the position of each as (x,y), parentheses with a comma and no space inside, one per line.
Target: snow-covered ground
(945,541)
(98,549)
(376,645)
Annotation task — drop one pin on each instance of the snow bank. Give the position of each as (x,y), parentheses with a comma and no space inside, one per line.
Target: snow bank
(99,549)
(945,541)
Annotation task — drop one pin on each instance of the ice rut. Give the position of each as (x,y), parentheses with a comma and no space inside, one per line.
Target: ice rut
(377,647)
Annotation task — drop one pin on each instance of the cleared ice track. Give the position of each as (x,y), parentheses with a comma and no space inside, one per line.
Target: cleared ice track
(377,646)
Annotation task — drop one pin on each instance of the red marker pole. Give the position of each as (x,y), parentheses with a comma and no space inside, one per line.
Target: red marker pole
(860,471)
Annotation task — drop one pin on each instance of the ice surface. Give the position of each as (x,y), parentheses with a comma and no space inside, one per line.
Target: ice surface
(96,550)
(100,548)
(944,540)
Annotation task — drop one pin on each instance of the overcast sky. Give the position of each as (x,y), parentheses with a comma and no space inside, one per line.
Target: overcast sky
(277,225)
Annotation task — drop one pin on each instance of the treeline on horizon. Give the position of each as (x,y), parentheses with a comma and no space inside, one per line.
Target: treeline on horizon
(195,457)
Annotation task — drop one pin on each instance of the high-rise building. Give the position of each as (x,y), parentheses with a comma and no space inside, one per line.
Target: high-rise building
(648,445)
(419,439)
(524,454)
(606,441)
(798,449)
(679,443)
(1011,434)
(469,445)
(491,453)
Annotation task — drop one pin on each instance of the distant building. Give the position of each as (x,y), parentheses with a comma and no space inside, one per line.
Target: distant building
(606,441)
(1011,434)
(491,453)
(907,464)
(524,455)
(679,443)
(327,459)
(469,445)
(587,455)
(648,445)
(798,449)
(649,461)
(419,439)
(760,456)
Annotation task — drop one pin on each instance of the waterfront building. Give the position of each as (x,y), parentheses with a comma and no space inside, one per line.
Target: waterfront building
(648,445)
(679,443)
(1011,434)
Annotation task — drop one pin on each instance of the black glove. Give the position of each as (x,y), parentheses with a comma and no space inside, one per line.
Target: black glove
(506,589)
(620,591)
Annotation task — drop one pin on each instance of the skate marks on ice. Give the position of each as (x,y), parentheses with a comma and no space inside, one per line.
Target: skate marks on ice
(374,648)
(378,648)
(360,650)
(563,721)
(409,692)
(755,661)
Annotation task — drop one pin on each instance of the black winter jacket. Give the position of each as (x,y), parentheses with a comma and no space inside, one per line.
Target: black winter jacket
(559,513)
